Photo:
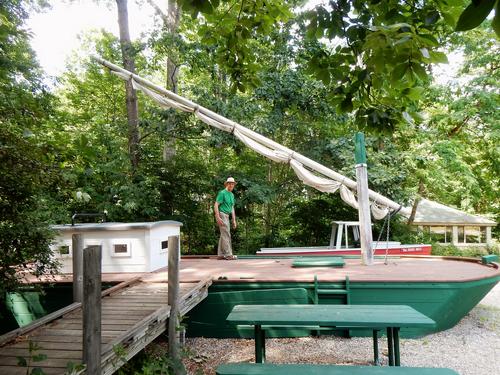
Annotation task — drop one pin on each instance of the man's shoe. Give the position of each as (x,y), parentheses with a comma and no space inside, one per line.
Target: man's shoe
(228,257)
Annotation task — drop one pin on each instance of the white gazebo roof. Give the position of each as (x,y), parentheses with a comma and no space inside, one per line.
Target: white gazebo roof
(432,213)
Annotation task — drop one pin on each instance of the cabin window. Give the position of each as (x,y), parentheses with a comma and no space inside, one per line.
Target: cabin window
(163,246)
(120,249)
(64,250)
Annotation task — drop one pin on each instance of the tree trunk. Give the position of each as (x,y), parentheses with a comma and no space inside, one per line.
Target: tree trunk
(131,97)
(171,23)
(171,20)
(421,191)
(268,220)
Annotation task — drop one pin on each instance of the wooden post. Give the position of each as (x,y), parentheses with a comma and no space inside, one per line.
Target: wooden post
(91,306)
(365,223)
(454,240)
(489,240)
(77,249)
(173,301)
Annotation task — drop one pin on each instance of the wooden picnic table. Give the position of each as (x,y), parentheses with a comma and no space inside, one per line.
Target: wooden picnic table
(373,317)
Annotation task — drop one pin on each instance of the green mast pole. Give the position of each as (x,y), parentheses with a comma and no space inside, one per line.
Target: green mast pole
(365,223)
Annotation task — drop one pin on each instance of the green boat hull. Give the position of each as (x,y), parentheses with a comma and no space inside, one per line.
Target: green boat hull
(444,302)
(18,309)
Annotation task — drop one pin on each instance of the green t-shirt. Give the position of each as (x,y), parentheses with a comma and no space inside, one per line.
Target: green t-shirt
(226,201)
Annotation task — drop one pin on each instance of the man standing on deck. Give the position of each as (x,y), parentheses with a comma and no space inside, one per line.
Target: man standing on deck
(223,207)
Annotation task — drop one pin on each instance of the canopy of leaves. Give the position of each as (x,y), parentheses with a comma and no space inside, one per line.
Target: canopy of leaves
(25,164)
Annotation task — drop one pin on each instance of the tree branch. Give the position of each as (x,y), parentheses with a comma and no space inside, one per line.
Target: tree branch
(458,127)
(159,11)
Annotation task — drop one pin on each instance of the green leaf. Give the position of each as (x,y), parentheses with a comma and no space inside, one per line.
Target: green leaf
(428,40)
(403,40)
(399,72)
(439,57)
(346,105)
(39,357)
(376,82)
(4,21)
(323,75)
(419,71)
(21,361)
(204,6)
(414,93)
(449,19)
(474,14)
(37,371)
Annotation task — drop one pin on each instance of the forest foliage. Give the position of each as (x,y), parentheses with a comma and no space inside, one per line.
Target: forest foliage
(308,79)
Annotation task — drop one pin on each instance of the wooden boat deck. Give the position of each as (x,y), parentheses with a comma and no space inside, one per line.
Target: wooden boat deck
(267,269)
(397,269)
(132,317)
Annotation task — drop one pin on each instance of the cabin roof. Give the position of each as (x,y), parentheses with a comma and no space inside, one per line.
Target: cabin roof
(86,227)
(430,212)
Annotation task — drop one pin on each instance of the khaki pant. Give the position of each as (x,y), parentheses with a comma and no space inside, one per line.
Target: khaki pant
(224,248)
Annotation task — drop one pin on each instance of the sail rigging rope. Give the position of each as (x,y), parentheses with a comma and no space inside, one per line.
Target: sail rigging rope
(387,222)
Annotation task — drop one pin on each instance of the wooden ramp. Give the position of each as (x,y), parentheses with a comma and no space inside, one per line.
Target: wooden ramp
(132,317)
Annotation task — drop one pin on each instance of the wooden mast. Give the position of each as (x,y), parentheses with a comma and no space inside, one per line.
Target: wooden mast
(365,223)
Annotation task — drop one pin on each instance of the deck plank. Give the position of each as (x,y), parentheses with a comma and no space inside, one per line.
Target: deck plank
(50,353)
(60,363)
(48,345)
(17,370)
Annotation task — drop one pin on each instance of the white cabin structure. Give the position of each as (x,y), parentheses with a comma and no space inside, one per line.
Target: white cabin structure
(126,247)
(451,226)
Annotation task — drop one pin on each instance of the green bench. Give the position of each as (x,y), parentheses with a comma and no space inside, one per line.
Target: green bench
(319,262)
(488,259)
(303,369)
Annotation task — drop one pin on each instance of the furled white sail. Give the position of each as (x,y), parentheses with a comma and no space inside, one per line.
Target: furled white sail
(306,169)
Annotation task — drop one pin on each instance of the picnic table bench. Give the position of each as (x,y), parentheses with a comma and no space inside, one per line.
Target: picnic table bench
(373,317)
(301,369)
